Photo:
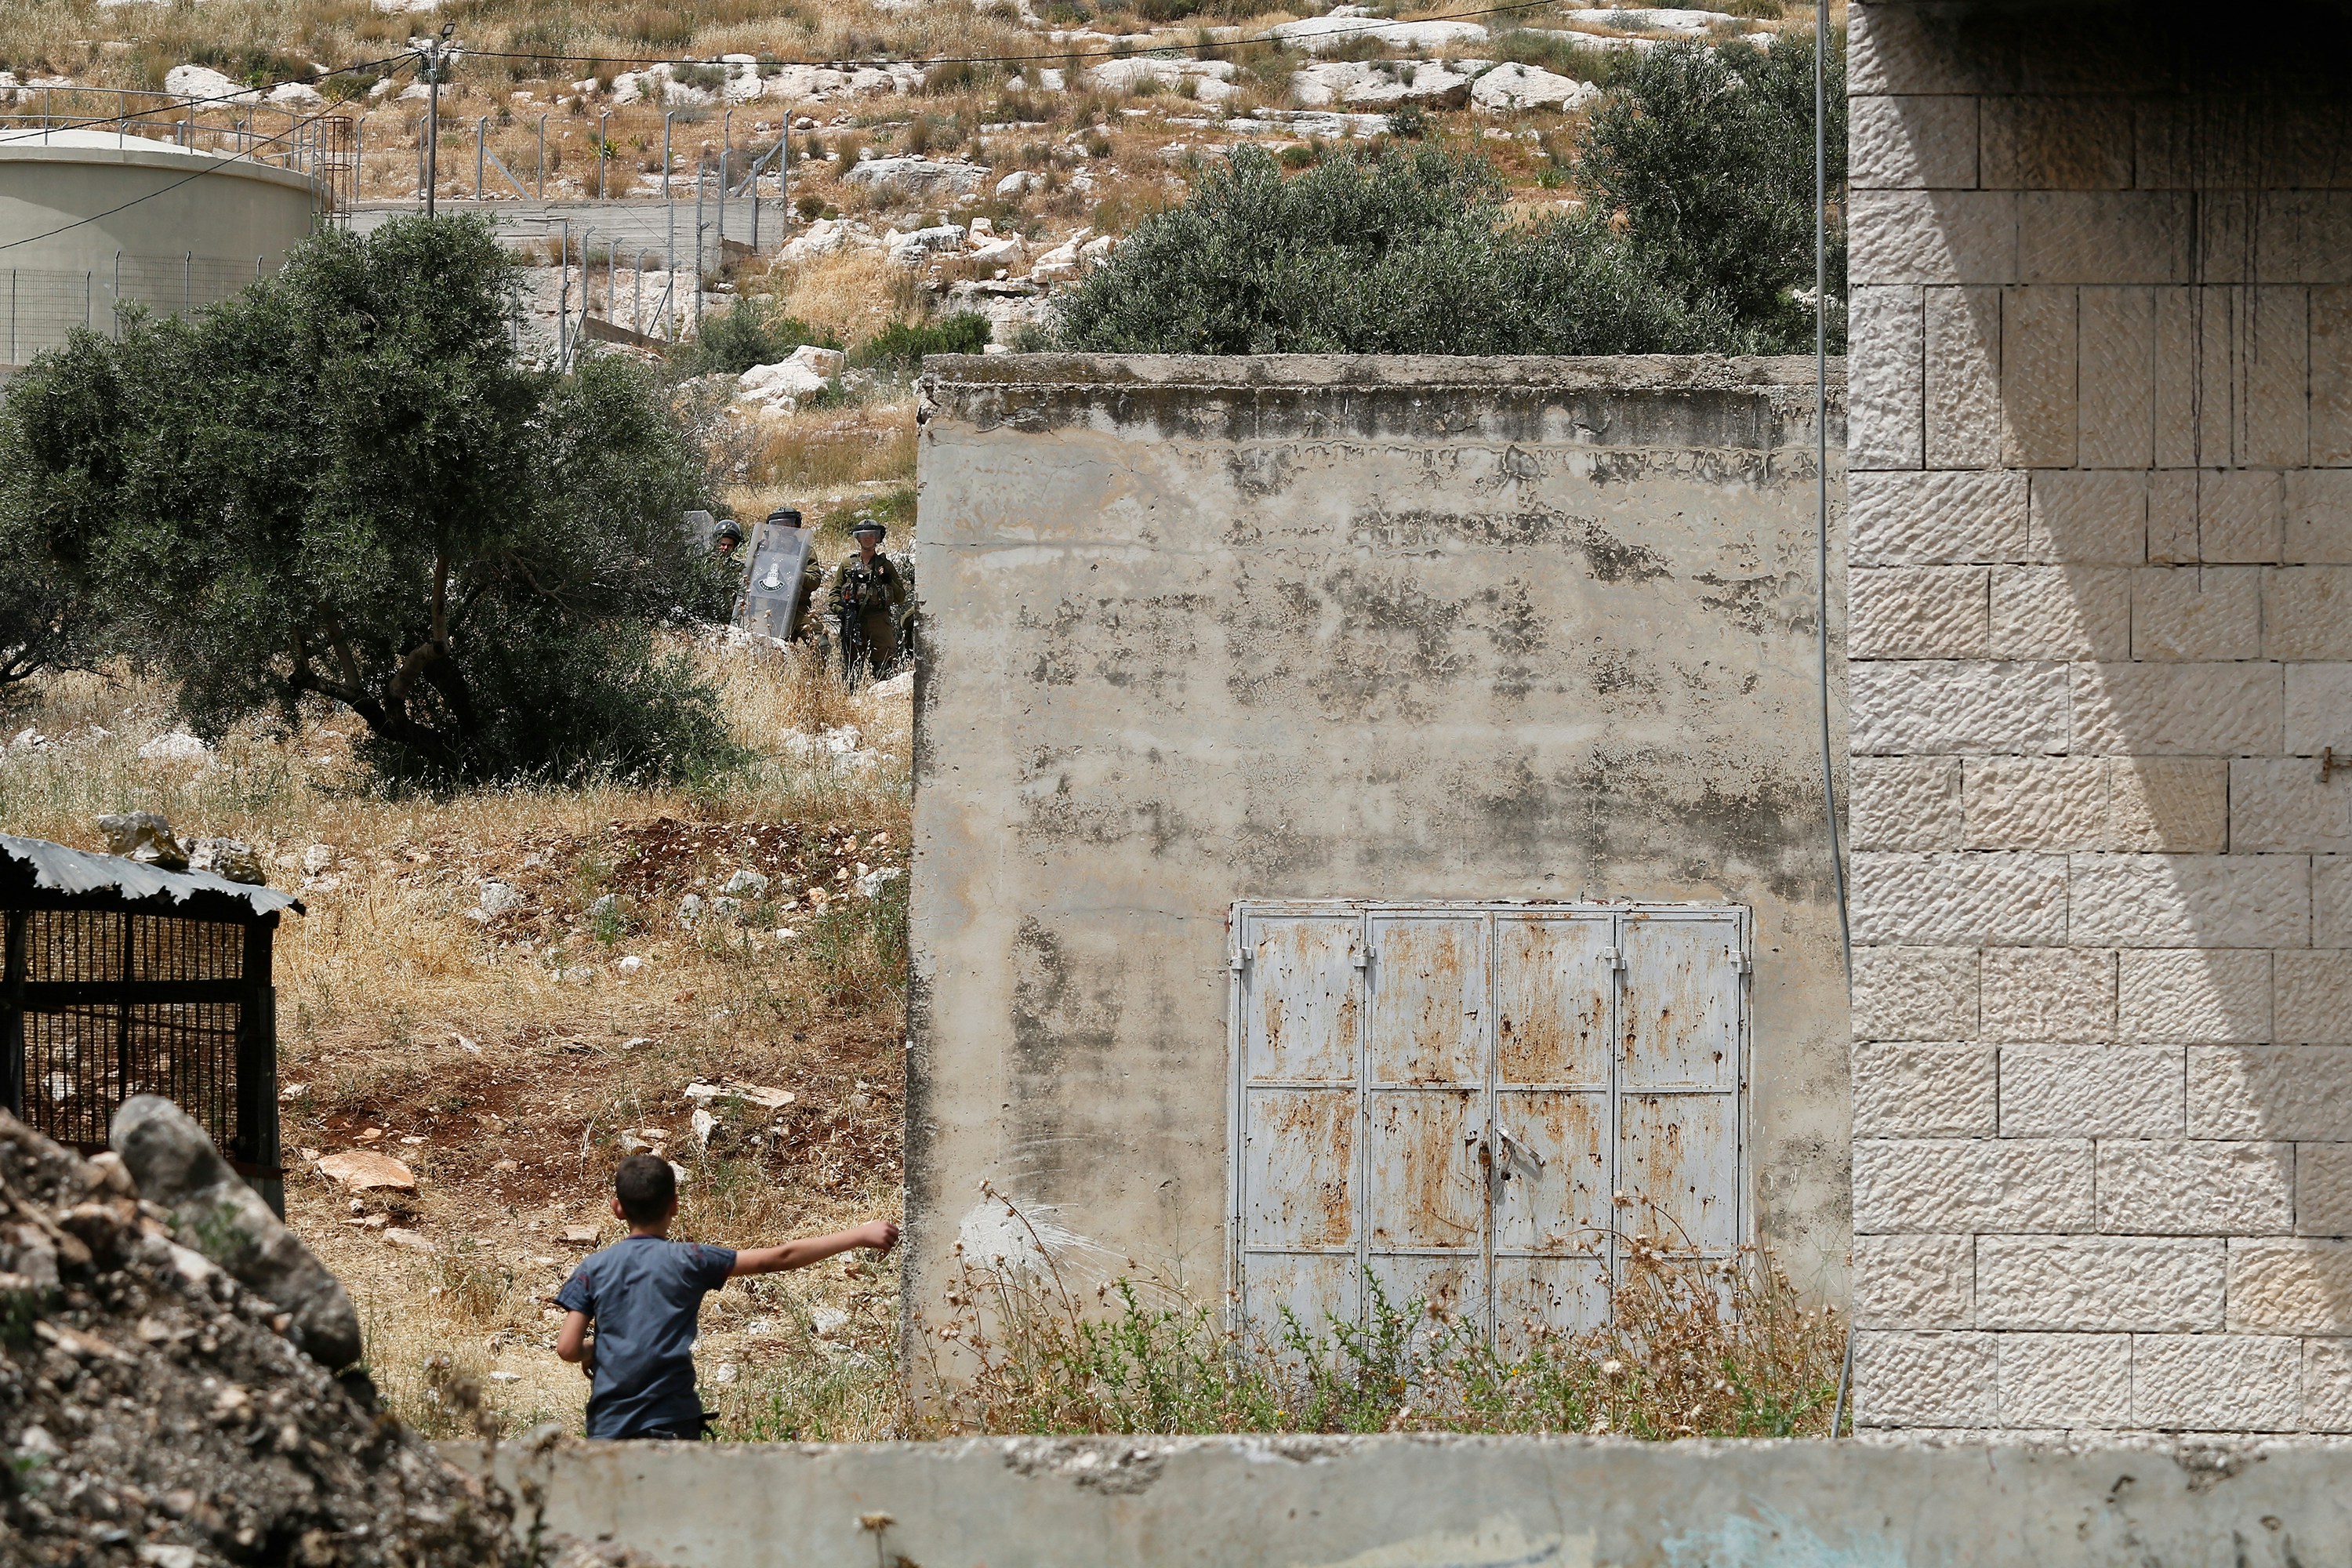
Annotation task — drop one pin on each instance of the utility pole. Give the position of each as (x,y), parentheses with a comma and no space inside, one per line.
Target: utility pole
(431,54)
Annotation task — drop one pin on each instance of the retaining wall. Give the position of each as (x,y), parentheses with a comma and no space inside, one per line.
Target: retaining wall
(1397,1503)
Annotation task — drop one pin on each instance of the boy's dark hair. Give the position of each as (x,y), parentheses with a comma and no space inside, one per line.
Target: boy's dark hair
(647,1186)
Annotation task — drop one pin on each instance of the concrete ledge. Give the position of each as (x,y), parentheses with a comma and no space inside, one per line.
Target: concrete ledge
(1390,1503)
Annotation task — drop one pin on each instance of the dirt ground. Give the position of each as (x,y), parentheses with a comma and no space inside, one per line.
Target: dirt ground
(510,1060)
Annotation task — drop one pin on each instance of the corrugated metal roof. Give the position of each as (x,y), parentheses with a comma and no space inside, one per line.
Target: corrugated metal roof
(65,870)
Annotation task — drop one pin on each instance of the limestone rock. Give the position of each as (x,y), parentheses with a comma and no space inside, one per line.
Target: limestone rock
(1510,87)
(231,859)
(177,1168)
(178,746)
(143,836)
(919,179)
(362,1171)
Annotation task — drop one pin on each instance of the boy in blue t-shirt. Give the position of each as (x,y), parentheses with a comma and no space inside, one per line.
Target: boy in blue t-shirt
(645,1295)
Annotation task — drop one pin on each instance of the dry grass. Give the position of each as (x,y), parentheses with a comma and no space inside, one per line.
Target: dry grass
(457,1044)
(1694,1349)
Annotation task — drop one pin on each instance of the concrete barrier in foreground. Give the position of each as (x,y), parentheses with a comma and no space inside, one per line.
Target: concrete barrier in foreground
(1465,1502)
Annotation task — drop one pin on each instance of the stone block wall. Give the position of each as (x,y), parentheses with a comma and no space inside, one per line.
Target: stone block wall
(2101,514)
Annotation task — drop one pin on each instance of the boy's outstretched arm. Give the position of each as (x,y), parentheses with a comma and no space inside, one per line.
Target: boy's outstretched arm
(879,1235)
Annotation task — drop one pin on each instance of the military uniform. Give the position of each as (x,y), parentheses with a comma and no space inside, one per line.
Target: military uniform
(872,591)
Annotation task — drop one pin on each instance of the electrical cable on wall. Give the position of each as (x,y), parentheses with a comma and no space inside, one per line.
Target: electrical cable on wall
(1822,464)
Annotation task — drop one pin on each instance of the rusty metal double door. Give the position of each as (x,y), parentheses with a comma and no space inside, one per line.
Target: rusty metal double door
(1473,1105)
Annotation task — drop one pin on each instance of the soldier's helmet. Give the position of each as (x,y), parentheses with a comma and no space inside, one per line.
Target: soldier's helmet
(785,515)
(728,531)
(867,525)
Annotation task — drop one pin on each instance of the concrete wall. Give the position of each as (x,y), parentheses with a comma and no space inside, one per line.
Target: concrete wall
(2101,525)
(1401,1503)
(1203,630)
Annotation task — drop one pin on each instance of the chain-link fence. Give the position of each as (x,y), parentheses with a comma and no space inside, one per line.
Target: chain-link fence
(44,304)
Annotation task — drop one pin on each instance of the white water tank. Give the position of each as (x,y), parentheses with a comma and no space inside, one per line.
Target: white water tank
(88,217)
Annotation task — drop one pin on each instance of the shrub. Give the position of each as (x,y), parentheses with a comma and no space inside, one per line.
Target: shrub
(746,333)
(1695,233)
(901,346)
(1397,252)
(1705,156)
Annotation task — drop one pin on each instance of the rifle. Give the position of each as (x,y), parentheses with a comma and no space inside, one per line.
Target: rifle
(856,649)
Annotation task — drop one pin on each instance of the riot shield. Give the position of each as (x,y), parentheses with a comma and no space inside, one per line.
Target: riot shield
(772,606)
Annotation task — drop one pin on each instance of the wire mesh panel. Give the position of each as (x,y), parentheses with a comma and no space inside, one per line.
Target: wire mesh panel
(101,1021)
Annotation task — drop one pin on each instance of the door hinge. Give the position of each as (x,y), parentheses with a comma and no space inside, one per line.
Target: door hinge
(1740,961)
(1235,959)
(1364,955)
(1613,957)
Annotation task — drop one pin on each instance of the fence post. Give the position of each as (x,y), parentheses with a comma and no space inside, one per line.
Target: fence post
(85,300)
(604,140)
(12,316)
(188,284)
(257,1141)
(12,974)
(481,131)
(542,158)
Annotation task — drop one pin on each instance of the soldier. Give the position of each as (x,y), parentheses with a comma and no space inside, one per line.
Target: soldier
(725,537)
(866,593)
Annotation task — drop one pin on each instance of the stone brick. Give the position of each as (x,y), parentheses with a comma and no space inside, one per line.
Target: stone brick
(2179,385)
(2048,994)
(1934,518)
(2273,359)
(2318,523)
(2090,1092)
(1945,706)
(2327,1385)
(2081,518)
(1924,1379)
(1936,899)
(2279,803)
(2060,612)
(1911,142)
(2194,995)
(2215,519)
(2303,237)
(2037,376)
(2331,376)
(2307,612)
(2216,1382)
(2190,901)
(2178,1186)
(2303,1092)
(2197,613)
(2331,901)
(1934,237)
(1913,1281)
(1900,48)
(1963,378)
(2283,1285)
(1917,612)
(1915,993)
(2118,369)
(2064,1380)
(2174,804)
(1915,1091)
(2098,1282)
(2047,144)
(2318,708)
(2313,996)
(2100,236)
(2323,1189)
(1905,802)
(1926,1185)
(1885,400)
(2174,710)
(2035,803)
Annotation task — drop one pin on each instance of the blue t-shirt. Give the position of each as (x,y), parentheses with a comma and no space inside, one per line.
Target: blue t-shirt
(645,1295)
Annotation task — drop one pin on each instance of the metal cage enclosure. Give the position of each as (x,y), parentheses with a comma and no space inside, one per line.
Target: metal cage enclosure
(105,994)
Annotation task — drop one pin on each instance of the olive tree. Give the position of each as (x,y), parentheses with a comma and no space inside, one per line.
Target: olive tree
(344,483)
